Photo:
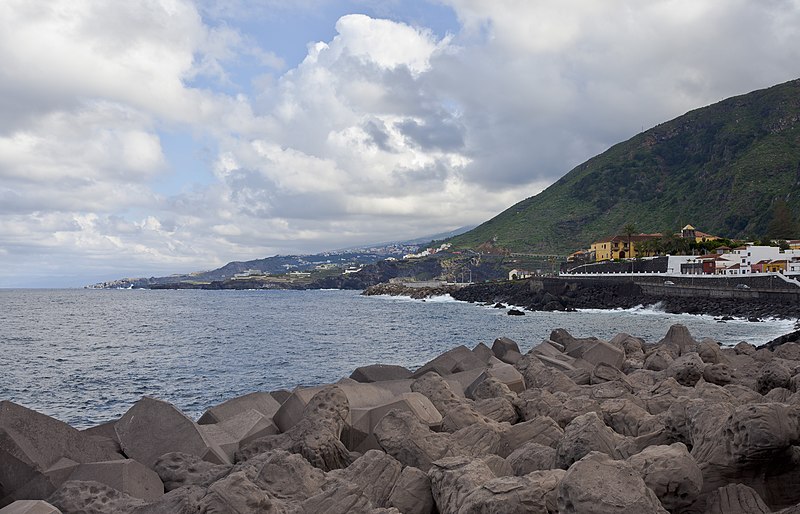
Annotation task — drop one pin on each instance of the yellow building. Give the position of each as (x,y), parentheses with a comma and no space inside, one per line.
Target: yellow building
(621,247)
(776,266)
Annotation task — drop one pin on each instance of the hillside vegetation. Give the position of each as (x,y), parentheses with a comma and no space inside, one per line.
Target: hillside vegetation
(730,169)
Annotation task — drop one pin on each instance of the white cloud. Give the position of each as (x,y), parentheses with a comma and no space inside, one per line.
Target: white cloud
(383,130)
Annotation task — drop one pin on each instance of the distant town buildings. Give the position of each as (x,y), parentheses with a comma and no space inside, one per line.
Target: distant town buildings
(744,260)
(428,251)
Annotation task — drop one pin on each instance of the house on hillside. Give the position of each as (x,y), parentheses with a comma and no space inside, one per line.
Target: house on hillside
(689,232)
(621,247)
(758,267)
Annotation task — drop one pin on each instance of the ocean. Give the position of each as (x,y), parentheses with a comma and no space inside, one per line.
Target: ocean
(85,356)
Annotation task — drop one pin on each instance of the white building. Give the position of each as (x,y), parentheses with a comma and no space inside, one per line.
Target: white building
(519,274)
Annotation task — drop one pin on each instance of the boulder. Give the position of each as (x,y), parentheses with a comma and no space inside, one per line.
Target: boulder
(507,350)
(603,372)
(500,410)
(240,429)
(105,436)
(678,341)
(736,499)
(744,348)
(598,484)
(671,472)
(585,434)
(499,466)
(237,494)
(375,474)
(38,452)
(486,386)
(537,492)
(709,351)
(29,507)
(343,499)
(412,492)
(153,427)
(405,438)
(359,435)
(357,395)
(601,352)
(484,353)
(659,397)
(628,418)
(719,374)
(285,476)
(380,373)
(789,351)
(537,375)
(183,500)
(480,439)
(178,469)
(315,437)
(505,374)
(530,457)
(452,361)
(456,412)
(264,403)
(686,369)
(126,475)
(658,359)
(280,395)
(74,496)
(541,429)
(773,374)
(632,346)
(453,479)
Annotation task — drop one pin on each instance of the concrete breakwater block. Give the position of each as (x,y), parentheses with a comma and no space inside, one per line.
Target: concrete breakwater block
(569,427)
(261,402)
(29,507)
(153,427)
(32,446)
(126,475)
(380,373)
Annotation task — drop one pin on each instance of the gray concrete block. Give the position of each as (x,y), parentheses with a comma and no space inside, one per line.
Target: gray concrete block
(126,476)
(153,427)
(261,402)
(31,443)
(380,373)
(29,507)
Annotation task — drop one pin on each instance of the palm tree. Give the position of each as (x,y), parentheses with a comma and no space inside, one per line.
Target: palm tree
(629,230)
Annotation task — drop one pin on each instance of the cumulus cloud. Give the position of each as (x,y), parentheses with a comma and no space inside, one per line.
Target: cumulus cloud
(384,130)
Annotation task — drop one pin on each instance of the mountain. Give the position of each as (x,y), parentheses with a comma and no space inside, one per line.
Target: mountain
(730,169)
(281,264)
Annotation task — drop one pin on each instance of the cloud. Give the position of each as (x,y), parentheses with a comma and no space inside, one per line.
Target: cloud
(384,130)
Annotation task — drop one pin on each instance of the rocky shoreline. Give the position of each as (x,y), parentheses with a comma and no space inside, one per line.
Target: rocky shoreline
(555,294)
(570,426)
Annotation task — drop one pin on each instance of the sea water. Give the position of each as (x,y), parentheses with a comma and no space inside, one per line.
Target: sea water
(85,356)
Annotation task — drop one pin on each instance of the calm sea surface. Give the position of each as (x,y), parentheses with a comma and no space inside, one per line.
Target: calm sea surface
(85,356)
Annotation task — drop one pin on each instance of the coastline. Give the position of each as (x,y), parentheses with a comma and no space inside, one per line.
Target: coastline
(565,294)
(573,421)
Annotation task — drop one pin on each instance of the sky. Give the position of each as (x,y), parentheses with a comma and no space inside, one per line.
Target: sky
(166,136)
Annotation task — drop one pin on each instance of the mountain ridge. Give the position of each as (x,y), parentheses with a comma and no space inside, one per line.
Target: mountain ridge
(725,168)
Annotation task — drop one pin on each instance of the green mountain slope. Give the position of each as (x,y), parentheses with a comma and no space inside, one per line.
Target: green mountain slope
(730,169)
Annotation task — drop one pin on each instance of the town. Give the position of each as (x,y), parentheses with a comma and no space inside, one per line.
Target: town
(695,253)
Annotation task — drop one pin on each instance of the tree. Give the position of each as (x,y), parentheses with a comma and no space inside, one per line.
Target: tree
(782,224)
(629,230)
